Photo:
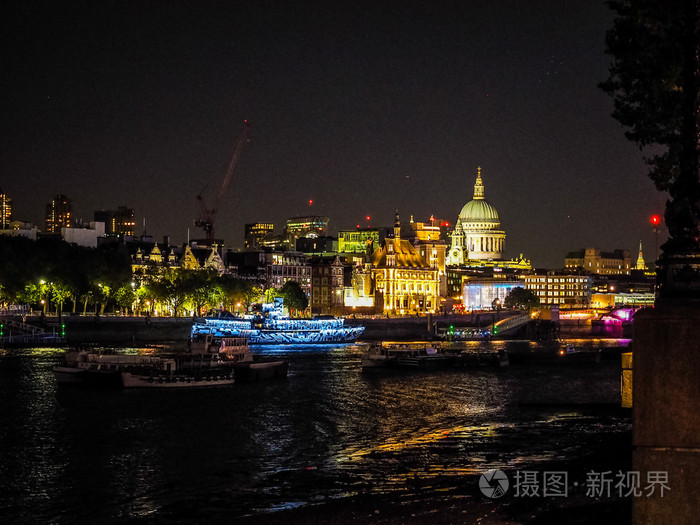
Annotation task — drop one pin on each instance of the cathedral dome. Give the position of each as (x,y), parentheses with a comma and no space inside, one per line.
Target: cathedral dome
(477,234)
(478,210)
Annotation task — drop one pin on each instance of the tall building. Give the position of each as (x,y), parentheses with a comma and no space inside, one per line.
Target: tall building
(5,211)
(477,235)
(119,222)
(58,214)
(312,226)
(255,234)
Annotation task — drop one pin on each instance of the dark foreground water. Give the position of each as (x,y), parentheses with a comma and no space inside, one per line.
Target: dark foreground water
(329,431)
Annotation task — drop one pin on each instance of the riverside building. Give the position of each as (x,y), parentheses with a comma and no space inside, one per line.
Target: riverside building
(404,280)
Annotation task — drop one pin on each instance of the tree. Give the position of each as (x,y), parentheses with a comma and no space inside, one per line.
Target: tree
(294,296)
(521,299)
(655,84)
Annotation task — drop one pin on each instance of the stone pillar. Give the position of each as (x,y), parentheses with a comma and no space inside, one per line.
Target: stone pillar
(666,412)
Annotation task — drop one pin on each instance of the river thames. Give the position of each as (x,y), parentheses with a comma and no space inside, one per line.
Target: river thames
(327,432)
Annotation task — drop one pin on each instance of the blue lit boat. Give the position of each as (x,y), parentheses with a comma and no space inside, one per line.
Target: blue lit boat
(271,327)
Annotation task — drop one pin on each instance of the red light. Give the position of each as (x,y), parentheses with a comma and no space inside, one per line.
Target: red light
(368,217)
(358,225)
(310,202)
(655,220)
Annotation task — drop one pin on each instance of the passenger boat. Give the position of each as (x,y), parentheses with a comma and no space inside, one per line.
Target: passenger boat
(271,327)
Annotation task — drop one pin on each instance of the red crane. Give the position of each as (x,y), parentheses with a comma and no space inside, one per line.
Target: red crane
(207,215)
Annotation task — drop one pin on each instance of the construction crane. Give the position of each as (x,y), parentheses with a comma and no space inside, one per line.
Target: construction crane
(207,215)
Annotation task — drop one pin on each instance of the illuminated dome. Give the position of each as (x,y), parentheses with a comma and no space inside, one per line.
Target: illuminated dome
(477,234)
(478,210)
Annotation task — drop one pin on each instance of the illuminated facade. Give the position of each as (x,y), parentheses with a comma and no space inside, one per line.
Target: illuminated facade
(483,294)
(119,222)
(431,246)
(403,278)
(562,289)
(477,235)
(58,214)
(5,211)
(255,234)
(641,265)
(151,258)
(592,260)
(310,227)
(288,266)
(357,241)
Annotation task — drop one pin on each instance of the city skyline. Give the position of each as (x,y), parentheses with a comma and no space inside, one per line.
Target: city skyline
(361,109)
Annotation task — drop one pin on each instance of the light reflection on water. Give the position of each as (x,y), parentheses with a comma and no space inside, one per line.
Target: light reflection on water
(328,431)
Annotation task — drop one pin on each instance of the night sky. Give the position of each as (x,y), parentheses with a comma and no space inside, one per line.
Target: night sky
(363,107)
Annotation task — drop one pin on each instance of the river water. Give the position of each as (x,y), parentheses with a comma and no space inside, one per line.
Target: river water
(328,431)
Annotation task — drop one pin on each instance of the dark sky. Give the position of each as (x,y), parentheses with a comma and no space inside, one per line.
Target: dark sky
(364,107)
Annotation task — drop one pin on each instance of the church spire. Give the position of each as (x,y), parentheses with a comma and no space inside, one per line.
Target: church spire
(641,265)
(397,226)
(479,186)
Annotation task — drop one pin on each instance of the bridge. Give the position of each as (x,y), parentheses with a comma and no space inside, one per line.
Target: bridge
(502,327)
(509,324)
(21,334)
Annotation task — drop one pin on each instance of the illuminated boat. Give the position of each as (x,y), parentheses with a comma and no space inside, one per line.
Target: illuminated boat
(271,327)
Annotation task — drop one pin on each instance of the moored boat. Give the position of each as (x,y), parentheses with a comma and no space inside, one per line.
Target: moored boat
(407,355)
(557,353)
(427,355)
(209,361)
(102,370)
(233,353)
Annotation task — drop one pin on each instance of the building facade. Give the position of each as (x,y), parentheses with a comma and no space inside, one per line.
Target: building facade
(58,214)
(327,287)
(84,235)
(560,288)
(405,281)
(477,235)
(288,266)
(255,234)
(311,226)
(5,211)
(358,240)
(119,222)
(592,260)
(482,294)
